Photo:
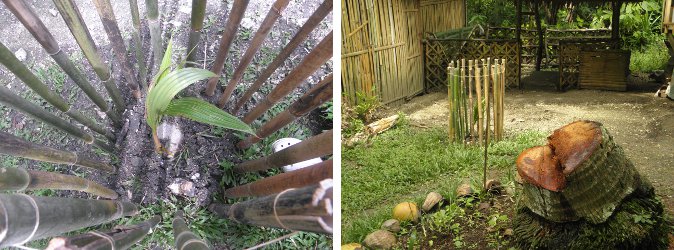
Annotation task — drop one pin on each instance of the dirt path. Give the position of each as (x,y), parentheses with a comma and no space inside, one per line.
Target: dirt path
(641,124)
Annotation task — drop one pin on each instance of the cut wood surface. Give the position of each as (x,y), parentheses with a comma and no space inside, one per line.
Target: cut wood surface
(382,125)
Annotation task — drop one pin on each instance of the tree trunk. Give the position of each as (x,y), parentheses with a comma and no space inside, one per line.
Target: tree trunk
(580,189)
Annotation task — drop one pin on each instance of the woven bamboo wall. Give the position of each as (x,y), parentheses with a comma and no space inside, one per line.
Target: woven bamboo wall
(382,44)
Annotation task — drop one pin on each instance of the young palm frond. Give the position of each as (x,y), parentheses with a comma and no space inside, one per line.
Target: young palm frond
(167,84)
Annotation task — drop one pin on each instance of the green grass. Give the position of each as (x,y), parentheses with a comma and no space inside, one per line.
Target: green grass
(406,163)
(654,57)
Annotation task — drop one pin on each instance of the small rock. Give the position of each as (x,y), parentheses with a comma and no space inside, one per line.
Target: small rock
(380,239)
(21,54)
(182,187)
(53,12)
(432,199)
(195,176)
(483,206)
(391,225)
(508,232)
(464,190)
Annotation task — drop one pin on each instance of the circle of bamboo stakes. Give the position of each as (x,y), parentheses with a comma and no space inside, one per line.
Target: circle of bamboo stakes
(122,237)
(18,179)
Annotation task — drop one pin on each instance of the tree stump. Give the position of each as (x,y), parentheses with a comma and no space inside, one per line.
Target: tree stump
(580,191)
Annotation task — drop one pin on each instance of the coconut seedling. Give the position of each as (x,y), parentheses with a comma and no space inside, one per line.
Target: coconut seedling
(160,100)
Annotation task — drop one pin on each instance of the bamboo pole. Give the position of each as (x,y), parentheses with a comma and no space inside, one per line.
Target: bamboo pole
(196,25)
(15,146)
(272,15)
(304,209)
(10,61)
(184,239)
(152,12)
(275,184)
(121,237)
(471,113)
(78,28)
(231,27)
(109,21)
(450,99)
(315,97)
(319,14)
(478,91)
(27,218)
(18,179)
(34,25)
(138,43)
(312,62)
(316,146)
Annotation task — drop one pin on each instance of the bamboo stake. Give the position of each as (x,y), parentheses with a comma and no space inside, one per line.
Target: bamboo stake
(78,28)
(478,91)
(464,110)
(274,13)
(138,43)
(27,218)
(152,12)
(184,239)
(450,99)
(316,146)
(305,209)
(275,184)
(196,25)
(109,21)
(471,114)
(486,139)
(315,97)
(10,61)
(319,14)
(18,179)
(32,22)
(15,146)
(10,99)
(121,237)
(231,27)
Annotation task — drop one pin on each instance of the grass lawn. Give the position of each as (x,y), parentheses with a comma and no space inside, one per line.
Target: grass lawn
(405,163)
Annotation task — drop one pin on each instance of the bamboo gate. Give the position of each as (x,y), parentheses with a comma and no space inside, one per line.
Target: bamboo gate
(293,201)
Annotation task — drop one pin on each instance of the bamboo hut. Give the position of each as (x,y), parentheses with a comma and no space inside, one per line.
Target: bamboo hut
(382,51)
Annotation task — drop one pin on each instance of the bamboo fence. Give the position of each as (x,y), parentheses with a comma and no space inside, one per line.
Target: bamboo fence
(476,90)
(382,52)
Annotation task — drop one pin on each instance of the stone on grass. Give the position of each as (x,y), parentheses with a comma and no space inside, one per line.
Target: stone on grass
(391,225)
(406,211)
(380,239)
(464,190)
(182,187)
(432,199)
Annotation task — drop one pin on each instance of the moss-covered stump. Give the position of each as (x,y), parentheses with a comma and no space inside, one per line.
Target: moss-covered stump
(636,224)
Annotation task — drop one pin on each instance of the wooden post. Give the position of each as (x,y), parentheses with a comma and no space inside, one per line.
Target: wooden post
(109,21)
(313,21)
(196,25)
(272,15)
(183,237)
(10,61)
(152,12)
(18,179)
(27,218)
(277,183)
(305,209)
(121,237)
(138,43)
(615,21)
(32,22)
(315,97)
(18,147)
(73,19)
(539,30)
(316,146)
(231,27)
(312,62)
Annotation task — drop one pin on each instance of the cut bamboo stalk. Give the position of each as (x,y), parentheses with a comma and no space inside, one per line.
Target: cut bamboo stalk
(304,209)
(138,43)
(319,14)
(111,28)
(18,179)
(478,91)
(27,218)
(184,239)
(34,25)
(231,27)
(312,62)
(73,19)
(272,15)
(311,100)
(471,114)
(196,25)
(121,237)
(10,61)
(316,146)
(10,99)
(18,147)
(152,12)
(450,105)
(275,184)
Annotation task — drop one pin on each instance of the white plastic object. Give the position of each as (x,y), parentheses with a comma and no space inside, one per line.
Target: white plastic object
(283,143)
